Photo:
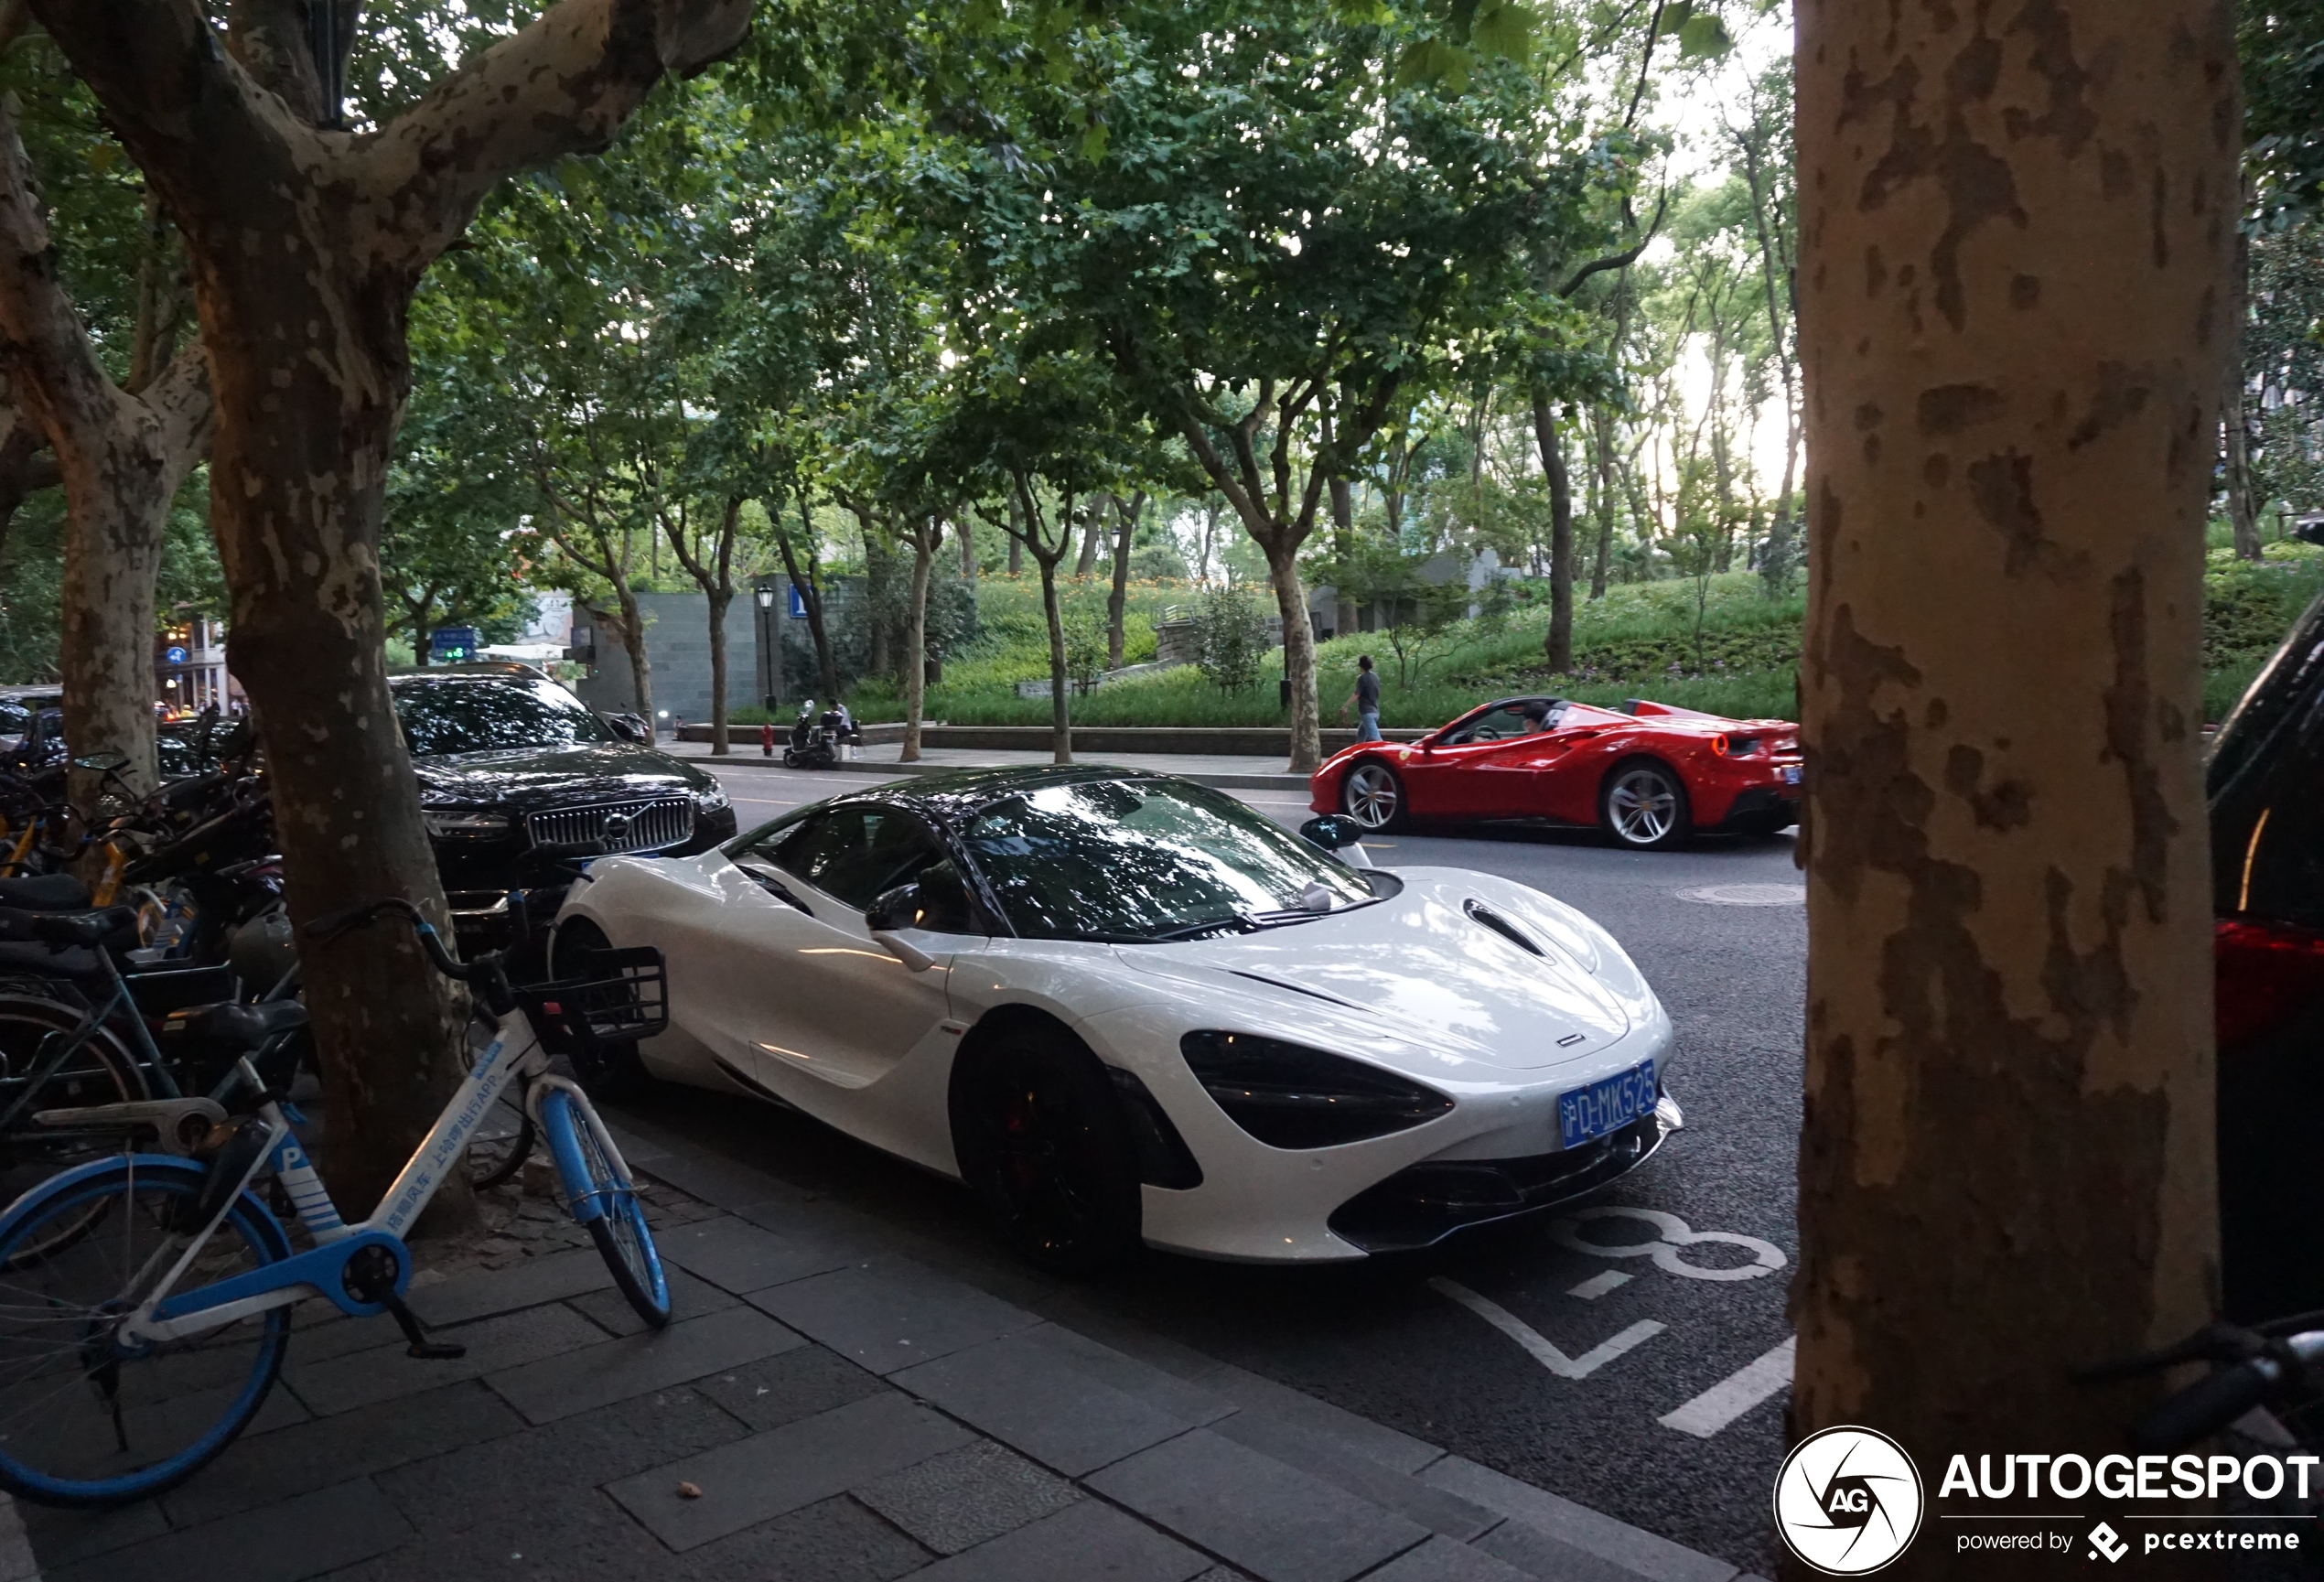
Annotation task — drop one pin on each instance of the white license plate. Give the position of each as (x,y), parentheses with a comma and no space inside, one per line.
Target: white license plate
(1790,774)
(1606,1105)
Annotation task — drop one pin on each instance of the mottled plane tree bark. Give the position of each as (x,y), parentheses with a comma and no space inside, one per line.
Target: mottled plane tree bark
(2018,225)
(307,244)
(120,450)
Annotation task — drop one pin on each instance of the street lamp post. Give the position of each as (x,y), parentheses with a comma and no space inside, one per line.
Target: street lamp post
(767,660)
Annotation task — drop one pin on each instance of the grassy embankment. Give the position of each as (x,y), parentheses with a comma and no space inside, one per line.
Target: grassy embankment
(1639,641)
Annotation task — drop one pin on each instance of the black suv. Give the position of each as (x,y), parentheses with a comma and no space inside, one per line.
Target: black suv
(508,759)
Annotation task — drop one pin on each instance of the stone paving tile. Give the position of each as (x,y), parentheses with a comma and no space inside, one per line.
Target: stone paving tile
(796,1384)
(717,1182)
(385,1372)
(564,1535)
(595,1375)
(1535,1553)
(960,1499)
(284,1543)
(1080,1543)
(1360,1475)
(484,1482)
(333,1334)
(1592,1531)
(1272,1520)
(258,1471)
(1442,1560)
(1362,1434)
(1031,1397)
(891,1313)
(60,1537)
(689,1298)
(1181,1398)
(741,1256)
(784,1468)
(834,1540)
(481,1293)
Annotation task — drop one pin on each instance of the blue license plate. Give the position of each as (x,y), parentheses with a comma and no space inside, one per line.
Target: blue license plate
(1606,1106)
(1790,774)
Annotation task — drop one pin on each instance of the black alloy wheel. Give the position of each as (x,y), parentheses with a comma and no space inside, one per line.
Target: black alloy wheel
(1040,1136)
(613,1071)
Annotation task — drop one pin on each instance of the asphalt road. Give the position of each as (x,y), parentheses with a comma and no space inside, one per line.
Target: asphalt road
(1510,1345)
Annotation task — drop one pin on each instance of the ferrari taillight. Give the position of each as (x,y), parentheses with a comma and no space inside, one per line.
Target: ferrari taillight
(2267,973)
(1735,745)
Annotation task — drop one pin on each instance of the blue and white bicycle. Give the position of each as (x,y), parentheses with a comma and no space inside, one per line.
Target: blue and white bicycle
(144,1299)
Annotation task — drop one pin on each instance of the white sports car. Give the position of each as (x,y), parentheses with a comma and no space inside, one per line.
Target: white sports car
(1127,1007)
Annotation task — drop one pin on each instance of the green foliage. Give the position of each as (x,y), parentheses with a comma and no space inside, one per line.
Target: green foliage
(1230,637)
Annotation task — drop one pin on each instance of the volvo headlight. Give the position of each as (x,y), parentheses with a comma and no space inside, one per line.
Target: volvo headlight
(1290,1096)
(450,824)
(712,798)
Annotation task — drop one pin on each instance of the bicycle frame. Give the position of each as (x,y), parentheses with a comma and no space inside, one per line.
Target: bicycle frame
(322,1270)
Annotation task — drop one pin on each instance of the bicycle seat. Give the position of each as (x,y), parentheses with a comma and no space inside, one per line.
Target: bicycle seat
(107,926)
(44,893)
(242,1027)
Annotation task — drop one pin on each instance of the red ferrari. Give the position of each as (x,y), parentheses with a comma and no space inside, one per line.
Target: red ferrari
(1648,774)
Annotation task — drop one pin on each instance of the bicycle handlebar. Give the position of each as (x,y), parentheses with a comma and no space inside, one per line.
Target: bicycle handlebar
(2210,1404)
(331,925)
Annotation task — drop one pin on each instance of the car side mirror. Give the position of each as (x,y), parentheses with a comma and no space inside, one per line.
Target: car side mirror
(1331,831)
(895,908)
(627,726)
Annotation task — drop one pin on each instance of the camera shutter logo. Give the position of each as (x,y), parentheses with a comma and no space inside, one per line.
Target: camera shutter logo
(1848,1500)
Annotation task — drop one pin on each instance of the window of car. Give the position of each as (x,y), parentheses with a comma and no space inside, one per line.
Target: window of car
(494,713)
(1505,721)
(1133,860)
(854,853)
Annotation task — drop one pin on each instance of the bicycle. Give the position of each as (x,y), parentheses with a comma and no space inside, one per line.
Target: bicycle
(145,1340)
(2273,1364)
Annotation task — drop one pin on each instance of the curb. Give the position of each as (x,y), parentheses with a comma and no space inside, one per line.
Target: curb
(888,772)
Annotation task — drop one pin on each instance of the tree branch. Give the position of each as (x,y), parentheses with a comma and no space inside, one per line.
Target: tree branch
(1618,260)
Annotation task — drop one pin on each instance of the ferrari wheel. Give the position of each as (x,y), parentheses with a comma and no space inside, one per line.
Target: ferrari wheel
(1373,795)
(1644,806)
(613,1072)
(1039,1136)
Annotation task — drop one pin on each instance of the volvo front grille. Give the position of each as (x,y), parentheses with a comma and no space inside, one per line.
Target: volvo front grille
(647,826)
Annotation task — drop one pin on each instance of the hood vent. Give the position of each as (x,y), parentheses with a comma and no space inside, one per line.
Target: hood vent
(1484,916)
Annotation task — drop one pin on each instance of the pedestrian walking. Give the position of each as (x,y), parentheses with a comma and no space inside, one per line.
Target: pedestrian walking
(1364,699)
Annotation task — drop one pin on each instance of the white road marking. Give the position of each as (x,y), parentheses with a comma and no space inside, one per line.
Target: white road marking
(1597,1286)
(1542,1351)
(1736,1393)
(1746,895)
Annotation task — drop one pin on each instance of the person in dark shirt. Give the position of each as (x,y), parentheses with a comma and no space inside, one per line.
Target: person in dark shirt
(1364,699)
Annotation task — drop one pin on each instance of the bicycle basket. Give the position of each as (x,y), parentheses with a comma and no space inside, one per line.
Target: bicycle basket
(621,995)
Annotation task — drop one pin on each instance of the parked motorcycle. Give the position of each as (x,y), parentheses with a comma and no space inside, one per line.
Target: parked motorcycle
(816,739)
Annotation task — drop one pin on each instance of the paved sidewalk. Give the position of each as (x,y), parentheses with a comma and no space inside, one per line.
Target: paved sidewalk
(824,1409)
(1228,772)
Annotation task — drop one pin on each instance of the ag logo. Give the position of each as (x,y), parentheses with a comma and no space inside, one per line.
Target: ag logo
(1847,1500)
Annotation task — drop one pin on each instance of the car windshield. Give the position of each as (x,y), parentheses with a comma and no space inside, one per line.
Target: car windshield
(486,715)
(1138,861)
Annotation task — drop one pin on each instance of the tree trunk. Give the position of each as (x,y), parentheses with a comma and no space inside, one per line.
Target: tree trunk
(634,644)
(1117,603)
(926,537)
(2243,510)
(1061,705)
(1600,423)
(1298,660)
(1559,646)
(718,599)
(121,455)
(2014,380)
(968,548)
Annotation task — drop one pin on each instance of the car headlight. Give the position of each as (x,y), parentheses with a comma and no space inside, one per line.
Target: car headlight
(712,799)
(447,823)
(1289,1096)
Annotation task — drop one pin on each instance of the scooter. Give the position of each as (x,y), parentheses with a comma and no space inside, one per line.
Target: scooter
(815,739)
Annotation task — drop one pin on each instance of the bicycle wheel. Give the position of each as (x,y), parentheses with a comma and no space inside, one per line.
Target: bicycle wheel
(502,1140)
(100,1073)
(86,1421)
(602,1196)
